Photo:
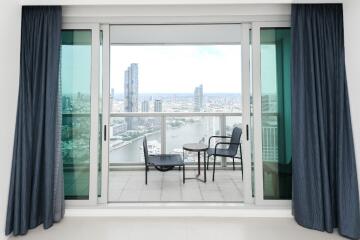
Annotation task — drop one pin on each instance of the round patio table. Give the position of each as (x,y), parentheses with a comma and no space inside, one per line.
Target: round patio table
(197,147)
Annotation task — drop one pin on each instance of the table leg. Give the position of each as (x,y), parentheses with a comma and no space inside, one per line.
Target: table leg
(204,166)
(198,163)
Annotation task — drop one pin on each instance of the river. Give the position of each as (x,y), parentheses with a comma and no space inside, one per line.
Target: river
(175,138)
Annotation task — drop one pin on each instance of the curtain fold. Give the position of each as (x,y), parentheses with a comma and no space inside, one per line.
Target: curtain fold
(325,185)
(36,185)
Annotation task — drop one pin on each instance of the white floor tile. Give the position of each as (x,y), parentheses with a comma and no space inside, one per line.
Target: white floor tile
(128,185)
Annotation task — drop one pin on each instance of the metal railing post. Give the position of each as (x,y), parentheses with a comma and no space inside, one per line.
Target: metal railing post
(163,133)
(223,133)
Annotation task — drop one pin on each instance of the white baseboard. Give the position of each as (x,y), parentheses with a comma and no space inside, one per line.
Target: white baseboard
(180,212)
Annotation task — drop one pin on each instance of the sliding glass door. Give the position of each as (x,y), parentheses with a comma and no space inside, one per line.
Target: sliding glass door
(272,112)
(276,112)
(79,79)
(75,77)
(175,84)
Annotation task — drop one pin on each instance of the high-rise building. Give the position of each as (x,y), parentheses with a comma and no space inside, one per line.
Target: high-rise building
(131,88)
(131,92)
(117,129)
(198,98)
(157,105)
(269,103)
(145,106)
(66,104)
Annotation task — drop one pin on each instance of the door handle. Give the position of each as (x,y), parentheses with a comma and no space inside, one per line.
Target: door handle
(104,132)
(247,132)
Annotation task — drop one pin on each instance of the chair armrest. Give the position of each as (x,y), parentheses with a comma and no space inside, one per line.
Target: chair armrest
(216,136)
(224,143)
(169,154)
(165,155)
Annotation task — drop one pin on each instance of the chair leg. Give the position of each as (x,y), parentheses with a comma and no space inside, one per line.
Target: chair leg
(214,168)
(242,169)
(242,166)
(146,173)
(208,160)
(233,164)
(183,173)
(198,163)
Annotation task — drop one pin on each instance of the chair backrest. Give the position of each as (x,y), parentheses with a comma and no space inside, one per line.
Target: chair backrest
(146,152)
(235,138)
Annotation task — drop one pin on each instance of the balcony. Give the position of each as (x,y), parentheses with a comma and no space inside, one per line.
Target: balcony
(166,133)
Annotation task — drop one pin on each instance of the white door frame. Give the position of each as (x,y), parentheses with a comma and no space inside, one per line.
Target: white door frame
(105,113)
(245,56)
(94,115)
(256,78)
(256,73)
(246,138)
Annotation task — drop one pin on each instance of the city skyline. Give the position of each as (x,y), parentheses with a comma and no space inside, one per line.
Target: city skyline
(132,101)
(171,69)
(213,61)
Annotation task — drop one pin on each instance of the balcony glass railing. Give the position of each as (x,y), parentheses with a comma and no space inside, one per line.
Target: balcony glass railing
(167,132)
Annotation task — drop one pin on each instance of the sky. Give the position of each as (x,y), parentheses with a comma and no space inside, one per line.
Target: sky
(178,68)
(168,68)
(75,69)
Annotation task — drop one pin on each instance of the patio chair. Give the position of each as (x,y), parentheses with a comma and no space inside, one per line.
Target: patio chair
(162,162)
(230,151)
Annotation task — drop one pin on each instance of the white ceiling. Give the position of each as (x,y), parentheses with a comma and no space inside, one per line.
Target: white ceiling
(164,2)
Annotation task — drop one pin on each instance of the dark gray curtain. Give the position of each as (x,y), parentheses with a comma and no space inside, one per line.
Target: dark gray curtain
(325,186)
(36,185)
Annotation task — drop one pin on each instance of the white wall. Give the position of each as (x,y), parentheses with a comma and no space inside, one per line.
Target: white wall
(10,19)
(352,51)
(165,14)
(164,2)
(175,10)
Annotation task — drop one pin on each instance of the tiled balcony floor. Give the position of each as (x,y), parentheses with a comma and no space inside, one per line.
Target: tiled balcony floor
(129,186)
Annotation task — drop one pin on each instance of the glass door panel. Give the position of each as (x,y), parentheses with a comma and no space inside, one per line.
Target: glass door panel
(275,47)
(75,78)
(174,91)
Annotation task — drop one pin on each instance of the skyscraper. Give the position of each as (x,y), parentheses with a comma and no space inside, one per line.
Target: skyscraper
(145,106)
(131,88)
(131,92)
(198,98)
(158,105)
